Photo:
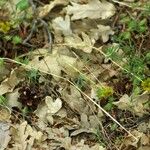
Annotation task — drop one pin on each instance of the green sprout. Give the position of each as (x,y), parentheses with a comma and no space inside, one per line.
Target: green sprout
(105,92)
(22,5)
(16,39)
(2,99)
(33,75)
(146,85)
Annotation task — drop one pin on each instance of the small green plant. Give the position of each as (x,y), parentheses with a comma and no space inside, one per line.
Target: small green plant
(136,66)
(112,53)
(2,100)
(25,111)
(146,11)
(22,60)
(22,5)
(33,75)
(8,37)
(99,137)
(113,126)
(139,26)
(109,106)
(104,92)
(136,25)
(147,58)
(16,39)
(1,62)
(146,85)
(5,26)
(81,82)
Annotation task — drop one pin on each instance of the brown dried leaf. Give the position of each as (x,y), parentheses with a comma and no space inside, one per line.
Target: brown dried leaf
(9,84)
(4,135)
(83,43)
(43,11)
(24,136)
(134,104)
(4,113)
(63,25)
(54,63)
(93,10)
(102,31)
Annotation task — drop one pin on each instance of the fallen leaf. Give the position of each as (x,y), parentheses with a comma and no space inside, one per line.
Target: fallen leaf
(144,148)
(77,42)
(76,102)
(4,135)
(67,144)
(135,104)
(53,106)
(124,103)
(63,25)
(54,63)
(9,84)
(103,31)
(5,113)
(46,110)
(43,11)
(88,125)
(24,136)
(129,141)
(93,10)
(12,99)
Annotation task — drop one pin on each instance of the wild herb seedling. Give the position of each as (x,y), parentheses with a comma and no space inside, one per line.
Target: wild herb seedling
(33,75)
(113,126)
(22,60)
(81,82)
(109,106)
(104,92)
(22,5)
(146,85)
(1,62)
(2,100)
(16,40)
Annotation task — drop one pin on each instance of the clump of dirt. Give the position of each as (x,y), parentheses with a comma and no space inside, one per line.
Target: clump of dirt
(31,95)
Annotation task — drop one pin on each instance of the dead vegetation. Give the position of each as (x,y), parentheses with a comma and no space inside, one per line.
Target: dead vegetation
(74,75)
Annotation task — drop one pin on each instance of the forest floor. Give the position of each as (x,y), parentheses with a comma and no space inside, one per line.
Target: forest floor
(74,75)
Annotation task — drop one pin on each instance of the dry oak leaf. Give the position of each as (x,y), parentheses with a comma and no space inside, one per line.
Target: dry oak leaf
(12,99)
(142,140)
(46,109)
(103,32)
(53,106)
(54,63)
(77,42)
(5,113)
(134,104)
(24,136)
(63,25)
(67,144)
(4,135)
(76,102)
(93,10)
(9,84)
(43,11)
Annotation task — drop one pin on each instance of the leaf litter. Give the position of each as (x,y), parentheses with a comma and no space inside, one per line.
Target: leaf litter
(53,112)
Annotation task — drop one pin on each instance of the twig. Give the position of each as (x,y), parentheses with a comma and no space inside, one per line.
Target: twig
(47,31)
(127,5)
(35,21)
(30,35)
